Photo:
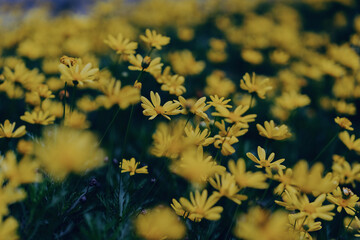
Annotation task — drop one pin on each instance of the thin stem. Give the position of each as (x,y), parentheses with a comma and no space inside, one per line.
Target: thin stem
(64,101)
(352,219)
(150,51)
(187,121)
(327,145)
(109,125)
(73,96)
(232,221)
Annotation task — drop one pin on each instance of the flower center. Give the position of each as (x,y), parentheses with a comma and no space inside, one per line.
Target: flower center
(309,209)
(159,109)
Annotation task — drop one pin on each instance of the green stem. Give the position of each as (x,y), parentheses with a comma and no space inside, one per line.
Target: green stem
(266,191)
(327,145)
(73,96)
(109,125)
(352,219)
(251,100)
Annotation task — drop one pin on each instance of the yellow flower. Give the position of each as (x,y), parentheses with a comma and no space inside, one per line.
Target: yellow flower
(216,101)
(343,107)
(38,117)
(261,224)
(344,123)
(350,142)
(7,130)
(352,225)
(43,91)
(199,207)
(292,100)
(154,39)
(236,115)
(218,84)
(132,167)
(154,108)
(195,135)
(304,179)
(265,163)
(152,66)
(307,209)
(273,132)
(285,180)
(302,228)
(159,223)
(195,166)
(198,107)
(21,172)
(252,85)
(78,73)
(174,85)
(121,45)
(346,173)
(25,147)
(226,186)
(252,56)
(115,94)
(224,143)
(247,179)
(76,119)
(184,63)
(344,198)
(9,194)
(8,228)
(64,150)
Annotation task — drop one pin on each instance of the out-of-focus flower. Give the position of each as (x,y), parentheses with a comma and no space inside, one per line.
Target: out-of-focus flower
(25,147)
(344,123)
(121,45)
(154,39)
(196,107)
(174,85)
(273,132)
(64,150)
(236,116)
(25,171)
(218,84)
(8,228)
(185,64)
(131,166)
(253,85)
(38,117)
(159,223)
(216,101)
(246,178)
(350,141)
(292,100)
(261,224)
(252,56)
(154,108)
(7,130)
(199,207)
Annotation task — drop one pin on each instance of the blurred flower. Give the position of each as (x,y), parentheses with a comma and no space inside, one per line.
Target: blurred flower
(159,223)
(346,173)
(121,45)
(292,100)
(200,207)
(246,178)
(132,167)
(263,162)
(76,119)
(25,147)
(270,131)
(64,150)
(344,123)
(195,166)
(253,85)
(216,101)
(174,85)
(7,130)
(184,63)
(154,39)
(38,117)
(154,108)
(350,142)
(261,224)
(218,84)
(252,56)
(23,172)
(8,228)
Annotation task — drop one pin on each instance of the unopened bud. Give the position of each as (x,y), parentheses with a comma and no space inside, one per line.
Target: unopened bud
(68,61)
(62,93)
(137,85)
